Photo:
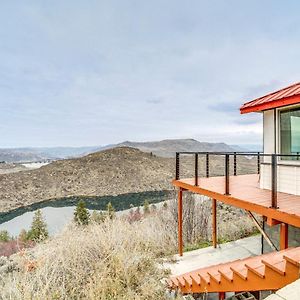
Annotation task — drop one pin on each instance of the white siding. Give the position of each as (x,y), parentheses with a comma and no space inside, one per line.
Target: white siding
(269,140)
(288,176)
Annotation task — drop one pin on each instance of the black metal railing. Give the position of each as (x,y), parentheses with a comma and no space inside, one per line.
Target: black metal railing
(232,157)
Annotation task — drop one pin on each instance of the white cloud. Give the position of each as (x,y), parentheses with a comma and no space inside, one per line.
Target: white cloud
(92,72)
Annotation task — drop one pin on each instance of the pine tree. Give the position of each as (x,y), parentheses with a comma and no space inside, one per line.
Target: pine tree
(110,211)
(81,214)
(38,231)
(146,207)
(4,236)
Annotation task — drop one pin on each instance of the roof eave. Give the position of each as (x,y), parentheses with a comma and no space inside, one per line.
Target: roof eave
(271,105)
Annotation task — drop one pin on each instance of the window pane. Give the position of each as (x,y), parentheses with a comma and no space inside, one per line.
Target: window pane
(290,132)
(295,134)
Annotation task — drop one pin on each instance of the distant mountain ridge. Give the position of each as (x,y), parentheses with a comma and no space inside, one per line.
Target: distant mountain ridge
(168,148)
(163,148)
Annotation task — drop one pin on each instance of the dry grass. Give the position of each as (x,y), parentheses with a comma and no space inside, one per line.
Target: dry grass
(117,259)
(113,260)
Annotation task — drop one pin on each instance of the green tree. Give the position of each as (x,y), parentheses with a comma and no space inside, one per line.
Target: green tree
(110,211)
(146,207)
(4,236)
(81,214)
(38,231)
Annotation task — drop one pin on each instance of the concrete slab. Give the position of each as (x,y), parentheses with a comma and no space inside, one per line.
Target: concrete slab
(209,256)
(290,292)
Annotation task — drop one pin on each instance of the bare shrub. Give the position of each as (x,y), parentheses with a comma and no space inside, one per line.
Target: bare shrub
(196,215)
(232,223)
(111,260)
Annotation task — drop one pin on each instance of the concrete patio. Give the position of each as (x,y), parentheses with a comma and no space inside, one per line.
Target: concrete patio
(204,257)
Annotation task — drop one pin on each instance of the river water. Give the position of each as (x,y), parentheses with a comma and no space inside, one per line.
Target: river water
(58,212)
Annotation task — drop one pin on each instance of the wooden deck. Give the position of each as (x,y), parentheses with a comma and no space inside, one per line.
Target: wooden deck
(245,193)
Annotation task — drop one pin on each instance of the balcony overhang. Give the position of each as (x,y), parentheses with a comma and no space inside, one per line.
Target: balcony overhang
(246,194)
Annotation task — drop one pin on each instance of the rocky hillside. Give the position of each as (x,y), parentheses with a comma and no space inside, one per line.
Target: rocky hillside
(110,172)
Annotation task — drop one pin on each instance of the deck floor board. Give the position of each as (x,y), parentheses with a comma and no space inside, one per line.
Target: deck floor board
(245,193)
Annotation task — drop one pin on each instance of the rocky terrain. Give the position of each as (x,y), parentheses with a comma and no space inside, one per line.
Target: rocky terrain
(110,172)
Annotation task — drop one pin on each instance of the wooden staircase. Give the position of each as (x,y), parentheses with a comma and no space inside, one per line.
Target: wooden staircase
(270,271)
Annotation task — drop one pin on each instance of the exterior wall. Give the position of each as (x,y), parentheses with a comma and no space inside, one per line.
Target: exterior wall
(288,178)
(288,172)
(269,133)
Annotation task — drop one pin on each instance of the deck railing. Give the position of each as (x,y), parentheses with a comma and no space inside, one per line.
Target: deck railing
(232,157)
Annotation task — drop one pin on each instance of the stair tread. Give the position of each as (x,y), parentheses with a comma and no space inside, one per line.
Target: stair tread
(278,266)
(256,267)
(293,257)
(215,275)
(241,271)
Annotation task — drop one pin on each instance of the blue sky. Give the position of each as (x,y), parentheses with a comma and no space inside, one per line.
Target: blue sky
(88,72)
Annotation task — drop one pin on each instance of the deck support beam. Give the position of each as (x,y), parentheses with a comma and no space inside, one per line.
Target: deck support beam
(214,223)
(222,295)
(180,239)
(284,236)
(271,244)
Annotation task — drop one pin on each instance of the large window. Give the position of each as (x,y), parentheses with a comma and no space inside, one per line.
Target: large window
(290,131)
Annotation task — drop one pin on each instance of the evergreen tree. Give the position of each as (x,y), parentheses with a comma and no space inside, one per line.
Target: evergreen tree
(146,207)
(110,211)
(81,214)
(38,231)
(4,236)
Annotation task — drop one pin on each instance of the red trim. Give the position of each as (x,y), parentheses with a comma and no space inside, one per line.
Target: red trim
(273,104)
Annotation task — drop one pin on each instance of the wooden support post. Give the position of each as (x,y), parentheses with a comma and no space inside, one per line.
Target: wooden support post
(284,236)
(271,244)
(214,222)
(180,241)
(222,295)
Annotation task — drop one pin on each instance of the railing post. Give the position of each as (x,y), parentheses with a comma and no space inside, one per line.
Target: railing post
(207,165)
(180,239)
(258,163)
(234,163)
(274,181)
(196,169)
(226,174)
(177,166)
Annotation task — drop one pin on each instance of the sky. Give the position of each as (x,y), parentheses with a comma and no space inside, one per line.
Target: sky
(78,73)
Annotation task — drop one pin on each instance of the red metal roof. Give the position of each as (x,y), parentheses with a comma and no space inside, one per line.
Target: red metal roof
(287,96)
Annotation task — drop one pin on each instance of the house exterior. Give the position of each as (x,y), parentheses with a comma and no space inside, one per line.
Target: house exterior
(281,122)
(271,190)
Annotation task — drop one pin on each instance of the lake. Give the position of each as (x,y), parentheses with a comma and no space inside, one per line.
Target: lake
(58,212)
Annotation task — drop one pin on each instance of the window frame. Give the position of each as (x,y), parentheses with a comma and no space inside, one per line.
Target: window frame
(278,112)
